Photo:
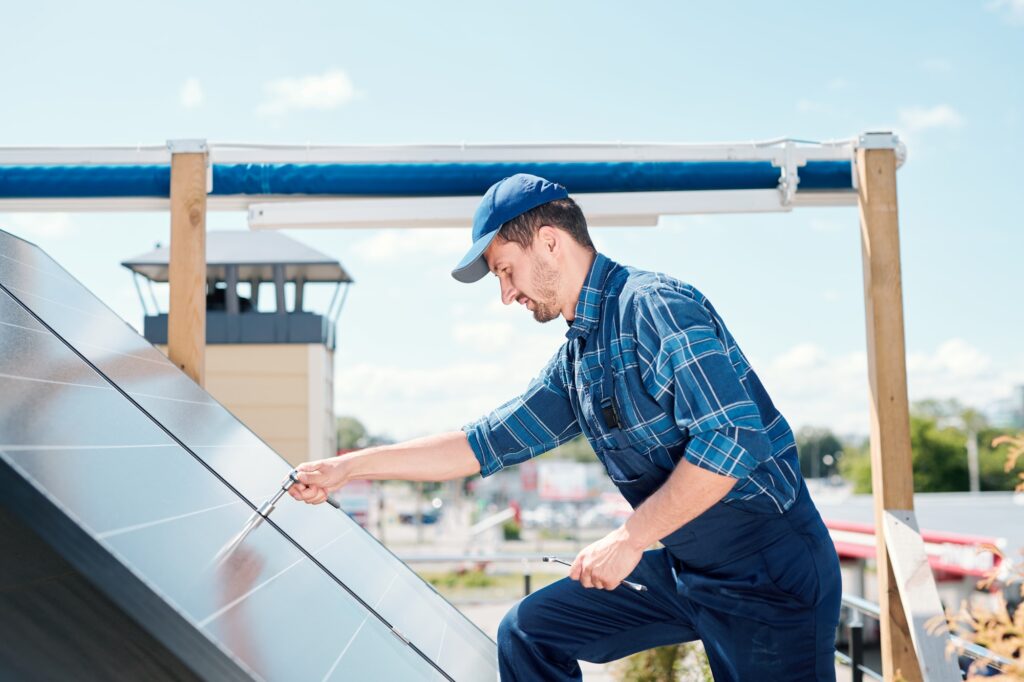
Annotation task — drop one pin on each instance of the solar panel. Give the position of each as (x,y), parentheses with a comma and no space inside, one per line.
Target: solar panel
(120,440)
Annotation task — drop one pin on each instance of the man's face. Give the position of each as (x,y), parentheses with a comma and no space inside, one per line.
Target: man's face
(526,277)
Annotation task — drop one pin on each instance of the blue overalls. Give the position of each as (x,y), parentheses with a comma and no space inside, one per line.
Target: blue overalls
(761,590)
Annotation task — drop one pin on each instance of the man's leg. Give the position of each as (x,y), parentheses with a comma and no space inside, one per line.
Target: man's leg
(545,635)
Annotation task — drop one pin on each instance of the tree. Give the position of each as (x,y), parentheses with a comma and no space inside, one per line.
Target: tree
(351,433)
(819,451)
(939,434)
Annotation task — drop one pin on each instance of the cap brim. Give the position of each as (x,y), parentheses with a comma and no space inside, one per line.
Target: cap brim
(473,266)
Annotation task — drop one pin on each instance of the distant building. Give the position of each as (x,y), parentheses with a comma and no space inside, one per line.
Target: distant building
(273,369)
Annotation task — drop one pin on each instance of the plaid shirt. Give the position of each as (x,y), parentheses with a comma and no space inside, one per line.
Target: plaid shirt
(681,385)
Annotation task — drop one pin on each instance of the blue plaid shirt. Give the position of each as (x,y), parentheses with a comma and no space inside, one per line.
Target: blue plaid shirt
(681,384)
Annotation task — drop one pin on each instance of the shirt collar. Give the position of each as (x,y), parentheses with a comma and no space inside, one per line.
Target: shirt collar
(588,307)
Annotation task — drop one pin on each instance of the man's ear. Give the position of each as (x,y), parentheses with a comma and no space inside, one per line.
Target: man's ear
(548,238)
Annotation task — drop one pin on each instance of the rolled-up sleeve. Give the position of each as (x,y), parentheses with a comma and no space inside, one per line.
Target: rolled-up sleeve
(684,365)
(524,427)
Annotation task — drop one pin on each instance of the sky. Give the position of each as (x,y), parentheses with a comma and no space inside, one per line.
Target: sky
(419,352)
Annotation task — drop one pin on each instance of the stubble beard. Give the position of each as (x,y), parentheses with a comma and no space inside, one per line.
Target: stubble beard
(545,282)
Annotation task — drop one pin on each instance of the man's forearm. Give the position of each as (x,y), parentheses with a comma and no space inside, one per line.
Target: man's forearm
(687,493)
(432,458)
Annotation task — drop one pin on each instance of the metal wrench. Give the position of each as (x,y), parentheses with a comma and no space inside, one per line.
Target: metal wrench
(628,583)
(261,513)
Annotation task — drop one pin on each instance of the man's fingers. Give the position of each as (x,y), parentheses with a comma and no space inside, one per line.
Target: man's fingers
(576,569)
(309,473)
(586,577)
(309,493)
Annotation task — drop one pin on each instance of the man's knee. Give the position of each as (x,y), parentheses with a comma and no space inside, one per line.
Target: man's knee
(509,625)
(523,619)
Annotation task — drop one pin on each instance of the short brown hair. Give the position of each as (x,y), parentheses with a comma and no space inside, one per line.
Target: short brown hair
(564,214)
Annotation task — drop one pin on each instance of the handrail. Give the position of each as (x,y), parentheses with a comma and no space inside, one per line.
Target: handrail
(978,653)
(857,605)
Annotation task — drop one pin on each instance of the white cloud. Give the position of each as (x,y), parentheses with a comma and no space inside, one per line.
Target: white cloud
(495,361)
(1012,11)
(941,116)
(191,94)
(811,386)
(838,84)
(493,336)
(391,245)
(41,225)
(329,90)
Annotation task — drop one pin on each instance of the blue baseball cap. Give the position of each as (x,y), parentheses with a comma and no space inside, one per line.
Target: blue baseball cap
(505,200)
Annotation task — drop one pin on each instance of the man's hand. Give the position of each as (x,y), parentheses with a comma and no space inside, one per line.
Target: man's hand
(318,479)
(606,562)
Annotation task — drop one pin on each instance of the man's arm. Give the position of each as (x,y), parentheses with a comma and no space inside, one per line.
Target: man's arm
(687,493)
(432,458)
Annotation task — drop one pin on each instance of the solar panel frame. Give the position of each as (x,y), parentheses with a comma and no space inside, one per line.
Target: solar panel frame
(84,551)
(481,658)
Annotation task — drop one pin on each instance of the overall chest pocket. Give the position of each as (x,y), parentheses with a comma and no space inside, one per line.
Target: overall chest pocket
(632,473)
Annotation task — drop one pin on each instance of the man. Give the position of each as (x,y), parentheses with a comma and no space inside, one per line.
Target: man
(654,380)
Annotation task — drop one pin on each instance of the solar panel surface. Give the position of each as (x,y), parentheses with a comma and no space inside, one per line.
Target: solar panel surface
(76,435)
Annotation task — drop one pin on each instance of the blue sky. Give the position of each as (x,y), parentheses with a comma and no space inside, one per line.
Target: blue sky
(419,352)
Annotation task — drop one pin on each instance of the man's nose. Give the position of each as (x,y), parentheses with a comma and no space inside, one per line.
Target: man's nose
(508,293)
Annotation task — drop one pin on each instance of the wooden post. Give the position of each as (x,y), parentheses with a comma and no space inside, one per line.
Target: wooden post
(891,462)
(186,317)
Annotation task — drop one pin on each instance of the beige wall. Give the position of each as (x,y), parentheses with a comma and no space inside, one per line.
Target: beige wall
(283,392)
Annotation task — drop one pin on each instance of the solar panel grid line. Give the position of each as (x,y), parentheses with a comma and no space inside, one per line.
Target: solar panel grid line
(235,602)
(414,588)
(137,394)
(224,481)
(97,300)
(59,525)
(440,647)
(14,377)
(169,519)
(28,329)
(344,650)
(386,590)
(69,514)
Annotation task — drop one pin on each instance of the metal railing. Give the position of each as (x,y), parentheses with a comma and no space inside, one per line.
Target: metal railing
(854,657)
(856,607)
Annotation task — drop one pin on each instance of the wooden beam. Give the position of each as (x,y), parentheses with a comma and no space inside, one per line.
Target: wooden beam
(891,462)
(186,317)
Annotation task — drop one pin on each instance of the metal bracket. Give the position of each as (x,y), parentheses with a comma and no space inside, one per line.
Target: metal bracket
(188,146)
(398,633)
(883,140)
(194,146)
(789,179)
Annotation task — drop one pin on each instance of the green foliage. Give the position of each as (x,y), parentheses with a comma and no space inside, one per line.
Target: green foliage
(666,664)
(938,440)
(351,433)
(940,456)
(510,530)
(814,445)
(577,450)
(461,579)
(855,466)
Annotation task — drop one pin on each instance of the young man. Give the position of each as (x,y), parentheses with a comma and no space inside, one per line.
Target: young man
(654,380)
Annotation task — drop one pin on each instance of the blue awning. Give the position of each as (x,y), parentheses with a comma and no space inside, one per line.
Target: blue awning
(414,179)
